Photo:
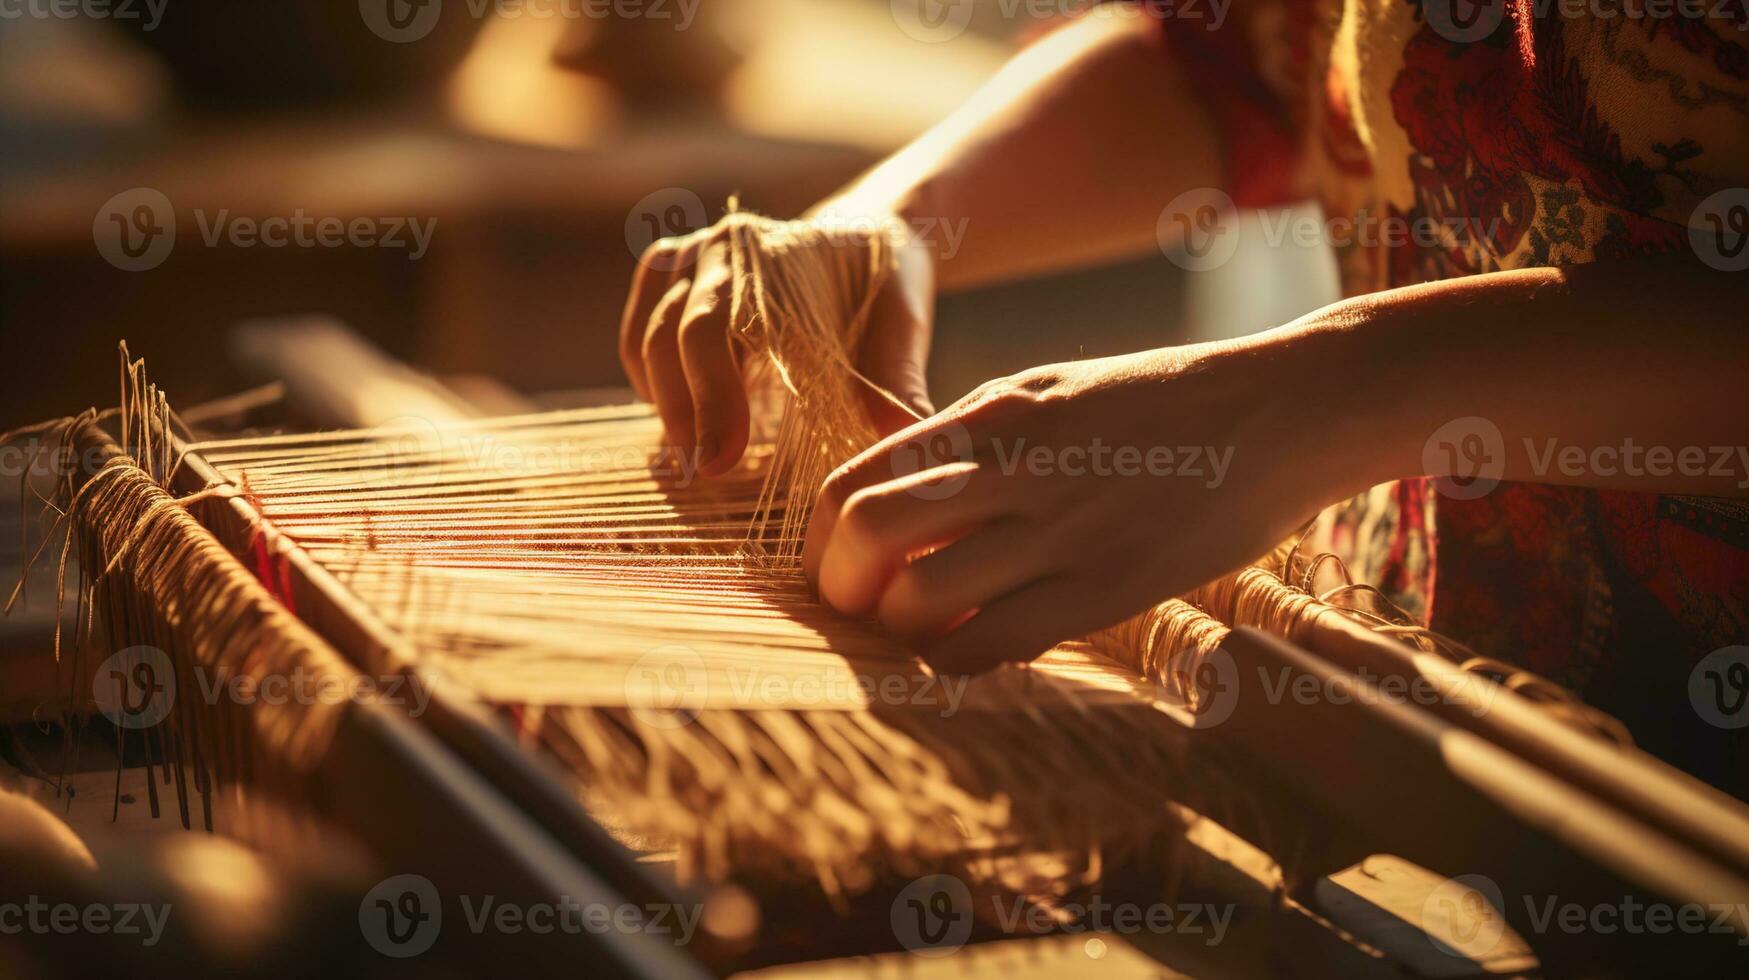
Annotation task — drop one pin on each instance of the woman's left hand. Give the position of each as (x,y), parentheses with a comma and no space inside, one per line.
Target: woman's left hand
(1055,502)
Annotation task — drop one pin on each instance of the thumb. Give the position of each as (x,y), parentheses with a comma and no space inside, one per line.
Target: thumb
(896,351)
(895,356)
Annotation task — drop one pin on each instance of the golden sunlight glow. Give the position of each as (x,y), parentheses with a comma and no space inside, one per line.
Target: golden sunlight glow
(227,887)
(840,71)
(508,87)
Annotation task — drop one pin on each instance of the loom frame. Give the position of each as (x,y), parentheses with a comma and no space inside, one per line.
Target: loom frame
(458,750)
(494,837)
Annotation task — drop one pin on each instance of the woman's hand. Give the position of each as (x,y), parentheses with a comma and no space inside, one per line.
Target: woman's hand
(1055,502)
(677,347)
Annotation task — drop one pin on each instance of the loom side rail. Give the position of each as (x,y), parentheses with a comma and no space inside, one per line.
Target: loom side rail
(1524,827)
(461,723)
(383,774)
(1667,798)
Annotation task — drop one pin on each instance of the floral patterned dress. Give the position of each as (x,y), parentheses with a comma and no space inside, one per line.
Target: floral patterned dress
(1530,135)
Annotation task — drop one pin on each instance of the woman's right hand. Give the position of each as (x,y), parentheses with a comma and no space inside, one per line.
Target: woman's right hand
(678,349)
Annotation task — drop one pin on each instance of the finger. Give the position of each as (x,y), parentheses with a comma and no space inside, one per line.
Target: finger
(1017,627)
(719,400)
(879,528)
(662,365)
(925,445)
(876,464)
(940,589)
(655,273)
(895,357)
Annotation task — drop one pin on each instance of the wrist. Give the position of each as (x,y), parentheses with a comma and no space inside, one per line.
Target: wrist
(900,221)
(1352,404)
(909,208)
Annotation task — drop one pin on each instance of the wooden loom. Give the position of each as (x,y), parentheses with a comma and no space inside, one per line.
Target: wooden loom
(388,582)
(622,659)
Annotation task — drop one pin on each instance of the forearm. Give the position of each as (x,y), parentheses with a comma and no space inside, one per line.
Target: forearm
(1625,375)
(1064,159)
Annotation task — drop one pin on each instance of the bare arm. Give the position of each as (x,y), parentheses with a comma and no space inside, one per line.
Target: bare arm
(1584,371)
(1082,493)
(1065,158)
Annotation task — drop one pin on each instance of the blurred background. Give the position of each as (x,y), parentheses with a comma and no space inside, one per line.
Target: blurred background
(473,180)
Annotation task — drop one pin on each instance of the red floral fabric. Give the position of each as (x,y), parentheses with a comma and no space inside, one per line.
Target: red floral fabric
(1551,138)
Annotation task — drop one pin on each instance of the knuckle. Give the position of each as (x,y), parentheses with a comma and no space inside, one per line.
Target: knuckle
(1010,389)
(833,490)
(983,391)
(658,251)
(1018,391)
(997,402)
(855,475)
(873,511)
(660,340)
(701,329)
(860,514)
